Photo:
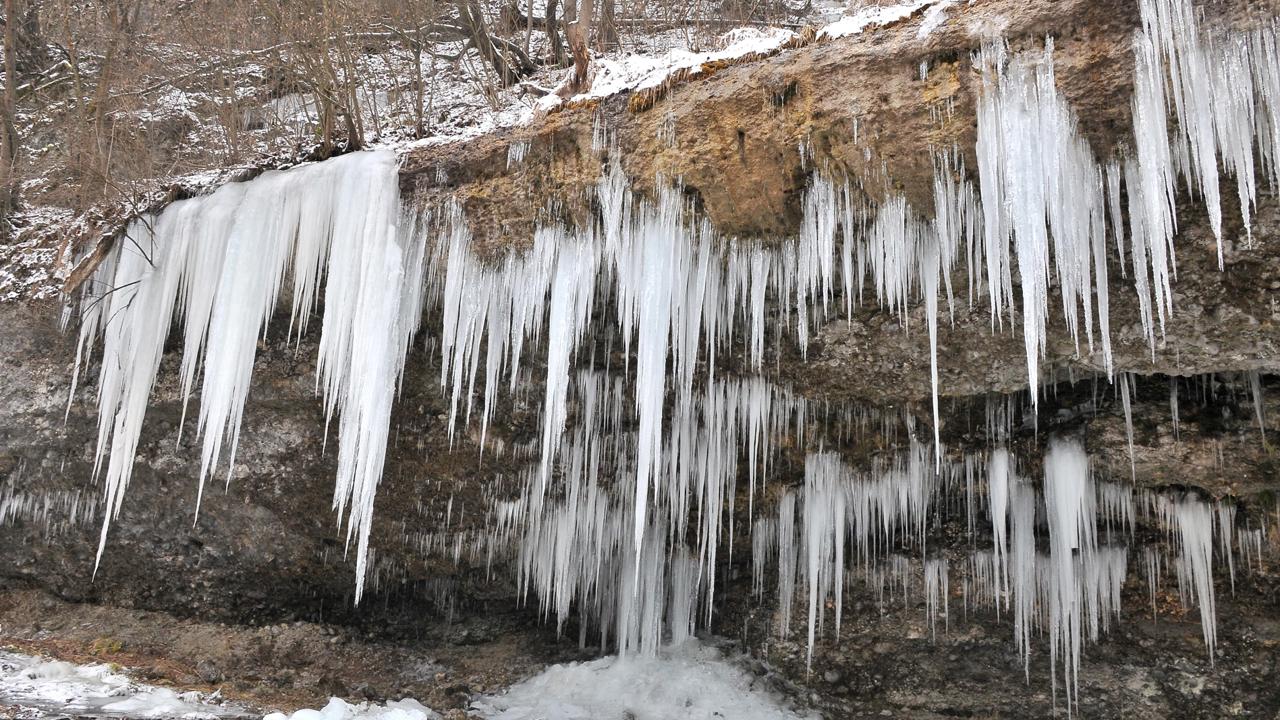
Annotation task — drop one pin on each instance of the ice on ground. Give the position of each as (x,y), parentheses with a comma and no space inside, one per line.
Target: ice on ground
(53,687)
(339,709)
(165,703)
(692,681)
(872,16)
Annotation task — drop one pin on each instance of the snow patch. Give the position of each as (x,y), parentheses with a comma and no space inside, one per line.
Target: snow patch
(29,264)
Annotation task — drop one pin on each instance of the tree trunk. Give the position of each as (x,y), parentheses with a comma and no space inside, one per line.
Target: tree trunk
(29,42)
(419,125)
(578,32)
(9,139)
(607,32)
(553,34)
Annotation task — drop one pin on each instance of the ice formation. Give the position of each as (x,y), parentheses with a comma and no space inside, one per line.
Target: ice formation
(688,680)
(621,517)
(339,709)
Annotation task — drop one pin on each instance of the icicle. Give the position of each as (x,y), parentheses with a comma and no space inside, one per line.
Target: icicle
(1125,380)
(1193,521)
(1022,574)
(786,560)
(516,152)
(999,479)
(1113,204)
(1255,390)
(824,527)
(764,544)
(1069,507)
(1042,188)
(936,593)
(1151,197)
(929,270)
(572,290)
(1226,515)
(647,276)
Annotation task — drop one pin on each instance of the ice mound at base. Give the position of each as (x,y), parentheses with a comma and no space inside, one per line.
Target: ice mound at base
(692,681)
(338,709)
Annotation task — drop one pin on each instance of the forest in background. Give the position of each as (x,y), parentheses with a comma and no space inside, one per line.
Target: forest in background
(103,100)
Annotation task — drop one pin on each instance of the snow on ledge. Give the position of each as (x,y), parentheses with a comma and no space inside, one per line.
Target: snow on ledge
(873,16)
(632,72)
(637,72)
(934,18)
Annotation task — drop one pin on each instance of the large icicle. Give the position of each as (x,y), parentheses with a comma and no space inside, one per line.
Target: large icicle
(572,290)
(824,535)
(999,479)
(1042,187)
(1069,505)
(1192,519)
(647,273)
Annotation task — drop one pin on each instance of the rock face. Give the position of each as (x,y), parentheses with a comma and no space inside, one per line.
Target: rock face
(265,548)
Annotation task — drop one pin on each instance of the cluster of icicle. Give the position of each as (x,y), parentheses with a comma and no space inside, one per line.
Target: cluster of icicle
(1070,593)
(1043,189)
(844,519)
(216,266)
(575,552)
(52,511)
(634,553)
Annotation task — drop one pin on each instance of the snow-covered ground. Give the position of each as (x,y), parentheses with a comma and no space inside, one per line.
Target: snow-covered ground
(614,74)
(51,688)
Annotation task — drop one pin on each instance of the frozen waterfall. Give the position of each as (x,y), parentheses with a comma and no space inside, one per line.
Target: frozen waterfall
(633,551)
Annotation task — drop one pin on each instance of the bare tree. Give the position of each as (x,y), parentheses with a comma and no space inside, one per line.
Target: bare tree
(507,59)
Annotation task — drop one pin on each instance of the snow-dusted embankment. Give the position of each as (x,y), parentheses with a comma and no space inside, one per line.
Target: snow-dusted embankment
(52,688)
